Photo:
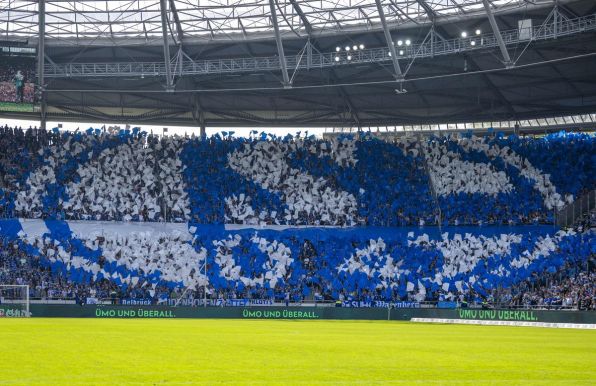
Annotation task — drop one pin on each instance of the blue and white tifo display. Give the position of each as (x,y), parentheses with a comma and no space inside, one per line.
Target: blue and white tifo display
(265,217)
(367,263)
(347,181)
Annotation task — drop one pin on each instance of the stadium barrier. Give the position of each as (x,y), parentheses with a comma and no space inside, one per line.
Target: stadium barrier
(302,313)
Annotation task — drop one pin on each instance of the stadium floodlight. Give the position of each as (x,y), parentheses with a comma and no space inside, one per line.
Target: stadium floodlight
(361,46)
(349,57)
(400,43)
(355,47)
(464,34)
(347,48)
(473,42)
(478,32)
(337,58)
(408,42)
(401,52)
(337,49)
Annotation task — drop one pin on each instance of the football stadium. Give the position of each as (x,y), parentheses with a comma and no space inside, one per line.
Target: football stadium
(297,192)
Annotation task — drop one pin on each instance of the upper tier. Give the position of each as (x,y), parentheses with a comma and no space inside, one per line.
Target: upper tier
(133,176)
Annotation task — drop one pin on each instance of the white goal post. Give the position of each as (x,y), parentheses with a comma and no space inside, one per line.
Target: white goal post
(14,301)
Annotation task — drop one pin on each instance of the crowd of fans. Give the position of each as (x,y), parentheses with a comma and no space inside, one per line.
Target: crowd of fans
(19,267)
(300,263)
(10,66)
(134,176)
(587,221)
(572,286)
(355,182)
(15,74)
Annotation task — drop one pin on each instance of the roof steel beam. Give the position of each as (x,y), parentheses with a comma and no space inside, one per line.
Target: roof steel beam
(441,46)
(390,45)
(280,47)
(139,20)
(302,16)
(497,32)
(428,9)
(166,44)
(401,12)
(179,30)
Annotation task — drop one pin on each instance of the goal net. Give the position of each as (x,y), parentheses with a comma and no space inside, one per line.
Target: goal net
(14,301)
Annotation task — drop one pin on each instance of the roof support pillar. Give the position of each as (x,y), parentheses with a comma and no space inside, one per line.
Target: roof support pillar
(166,44)
(308,54)
(556,21)
(390,45)
(41,20)
(498,36)
(280,47)
(202,130)
(432,40)
(198,115)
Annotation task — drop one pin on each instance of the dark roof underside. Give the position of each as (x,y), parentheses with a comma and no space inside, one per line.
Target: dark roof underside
(552,77)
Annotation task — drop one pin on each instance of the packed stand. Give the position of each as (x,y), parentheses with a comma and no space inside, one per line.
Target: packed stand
(128,176)
(571,287)
(355,190)
(292,180)
(335,264)
(509,180)
(17,79)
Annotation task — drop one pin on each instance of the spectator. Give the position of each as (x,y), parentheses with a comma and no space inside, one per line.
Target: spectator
(19,84)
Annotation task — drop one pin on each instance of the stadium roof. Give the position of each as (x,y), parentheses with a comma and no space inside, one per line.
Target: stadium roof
(227,66)
(202,20)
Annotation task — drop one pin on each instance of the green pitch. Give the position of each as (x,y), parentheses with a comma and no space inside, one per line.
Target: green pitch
(234,352)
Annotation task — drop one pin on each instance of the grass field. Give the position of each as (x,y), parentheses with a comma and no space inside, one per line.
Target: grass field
(234,352)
